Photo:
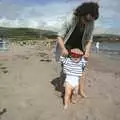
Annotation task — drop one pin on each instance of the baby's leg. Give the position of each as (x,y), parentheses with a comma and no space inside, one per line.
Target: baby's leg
(75,90)
(68,92)
(75,94)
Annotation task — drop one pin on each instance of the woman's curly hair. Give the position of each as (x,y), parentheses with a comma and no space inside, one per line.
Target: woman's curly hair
(87,8)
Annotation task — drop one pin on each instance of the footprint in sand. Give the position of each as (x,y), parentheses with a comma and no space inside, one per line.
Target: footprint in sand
(4,69)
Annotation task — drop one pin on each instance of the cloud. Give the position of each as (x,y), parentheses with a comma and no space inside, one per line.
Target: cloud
(36,16)
(109,13)
(51,16)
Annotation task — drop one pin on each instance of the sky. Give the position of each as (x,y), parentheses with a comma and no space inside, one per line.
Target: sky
(50,14)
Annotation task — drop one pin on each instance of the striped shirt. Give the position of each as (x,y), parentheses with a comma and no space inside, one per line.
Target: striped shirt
(73,68)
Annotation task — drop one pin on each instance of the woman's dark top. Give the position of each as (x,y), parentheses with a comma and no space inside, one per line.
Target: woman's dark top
(75,40)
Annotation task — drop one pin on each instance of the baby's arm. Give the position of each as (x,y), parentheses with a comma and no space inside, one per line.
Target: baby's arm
(63,59)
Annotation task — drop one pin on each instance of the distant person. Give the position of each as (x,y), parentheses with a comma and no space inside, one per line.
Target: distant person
(1,43)
(77,32)
(97,46)
(73,67)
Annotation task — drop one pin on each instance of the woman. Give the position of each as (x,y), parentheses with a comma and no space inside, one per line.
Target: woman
(77,32)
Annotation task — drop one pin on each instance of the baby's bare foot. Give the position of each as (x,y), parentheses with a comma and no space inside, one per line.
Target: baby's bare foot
(83,95)
(74,99)
(65,107)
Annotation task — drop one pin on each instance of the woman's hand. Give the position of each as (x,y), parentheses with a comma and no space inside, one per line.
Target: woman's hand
(64,52)
(86,55)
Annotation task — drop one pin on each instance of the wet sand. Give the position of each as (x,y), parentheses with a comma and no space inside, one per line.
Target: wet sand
(26,91)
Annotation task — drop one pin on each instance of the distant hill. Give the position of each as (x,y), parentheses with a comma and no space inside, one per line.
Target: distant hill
(26,33)
(106,37)
(19,34)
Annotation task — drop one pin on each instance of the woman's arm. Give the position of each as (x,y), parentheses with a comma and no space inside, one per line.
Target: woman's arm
(62,33)
(64,51)
(89,40)
(87,49)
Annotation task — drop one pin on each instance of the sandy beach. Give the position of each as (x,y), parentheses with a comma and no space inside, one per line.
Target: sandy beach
(26,91)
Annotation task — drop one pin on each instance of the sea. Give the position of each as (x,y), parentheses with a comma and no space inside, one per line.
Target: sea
(109,49)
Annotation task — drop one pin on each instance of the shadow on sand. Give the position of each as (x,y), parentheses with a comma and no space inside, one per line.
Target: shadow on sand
(58,84)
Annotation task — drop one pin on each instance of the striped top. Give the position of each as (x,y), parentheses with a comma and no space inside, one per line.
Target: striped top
(73,68)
